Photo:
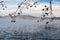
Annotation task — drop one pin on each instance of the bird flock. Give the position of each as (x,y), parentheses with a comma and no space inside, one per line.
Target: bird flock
(28,4)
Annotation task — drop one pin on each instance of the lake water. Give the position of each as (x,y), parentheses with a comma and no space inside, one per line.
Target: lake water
(28,29)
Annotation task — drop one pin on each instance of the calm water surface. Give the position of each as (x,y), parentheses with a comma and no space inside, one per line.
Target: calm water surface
(35,30)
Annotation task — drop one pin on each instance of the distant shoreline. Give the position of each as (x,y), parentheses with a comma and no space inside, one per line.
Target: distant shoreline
(29,17)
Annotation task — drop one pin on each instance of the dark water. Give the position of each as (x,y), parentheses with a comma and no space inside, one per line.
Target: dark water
(28,29)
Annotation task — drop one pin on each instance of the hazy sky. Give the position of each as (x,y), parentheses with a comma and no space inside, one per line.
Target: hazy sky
(12,6)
